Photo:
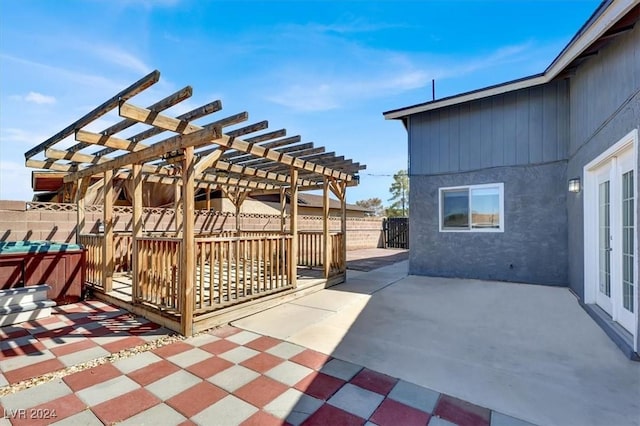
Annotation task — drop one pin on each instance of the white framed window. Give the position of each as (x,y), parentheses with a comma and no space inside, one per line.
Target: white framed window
(472,208)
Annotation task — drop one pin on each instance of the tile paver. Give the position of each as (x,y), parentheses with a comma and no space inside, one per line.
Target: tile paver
(415,396)
(158,415)
(499,419)
(84,418)
(190,357)
(229,410)
(341,369)
(243,337)
(356,400)
(285,350)
(105,391)
(239,354)
(289,373)
(128,365)
(173,384)
(293,406)
(233,378)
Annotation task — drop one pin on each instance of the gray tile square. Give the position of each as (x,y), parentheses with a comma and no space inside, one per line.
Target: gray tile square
(158,415)
(83,418)
(83,356)
(437,421)
(173,384)
(190,357)
(233,378)
(136,362)
(239,354)
(104,391)
(243,337)
(289,373)
(228,411)
(3,381)
(499,419)
(285,350)
(202,339)
(356,400)
(293,406)
(414,396)
(36,395)
(341,369)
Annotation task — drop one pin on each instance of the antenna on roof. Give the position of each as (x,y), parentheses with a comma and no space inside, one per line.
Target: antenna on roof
(433,89)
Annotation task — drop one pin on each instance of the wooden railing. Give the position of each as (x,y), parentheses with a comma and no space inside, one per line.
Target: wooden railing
(338,263)
(233,270)
(122,249)
(310,248)
(159,272)
(93,244)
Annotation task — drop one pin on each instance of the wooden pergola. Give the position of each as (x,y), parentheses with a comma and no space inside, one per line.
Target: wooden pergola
(189,278)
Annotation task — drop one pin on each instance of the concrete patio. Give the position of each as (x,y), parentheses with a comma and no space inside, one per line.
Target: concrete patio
(527,351)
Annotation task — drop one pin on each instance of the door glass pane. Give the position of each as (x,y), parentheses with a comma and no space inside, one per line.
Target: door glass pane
(604,239)
(628,229)
(455,208)
(485,208)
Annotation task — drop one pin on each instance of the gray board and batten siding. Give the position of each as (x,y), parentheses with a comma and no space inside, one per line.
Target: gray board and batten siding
(527,126)
(518,138)
(605,106)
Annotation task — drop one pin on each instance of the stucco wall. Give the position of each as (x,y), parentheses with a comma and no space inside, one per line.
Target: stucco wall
(533,246)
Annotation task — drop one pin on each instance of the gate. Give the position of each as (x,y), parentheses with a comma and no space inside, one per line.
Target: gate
(396,232)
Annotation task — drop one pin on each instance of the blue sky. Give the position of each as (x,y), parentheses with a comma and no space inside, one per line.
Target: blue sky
(323,69)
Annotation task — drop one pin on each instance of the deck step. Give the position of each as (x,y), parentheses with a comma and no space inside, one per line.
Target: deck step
(23,295)
(25,307)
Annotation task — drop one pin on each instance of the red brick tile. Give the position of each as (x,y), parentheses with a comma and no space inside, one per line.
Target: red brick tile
(153,372)
(311,359)
(51,411)
(195,399)
(262,362)
(32,348)
(123,343)
(209,367)
(172,349)
(46,321)
(330,415)
(87,378)
(70,348)
(319,385)
(188,423)
(219,346)
(374,381)
(263,343)
(33,370)
(391,413)
(461,412)
(261,391)
(262,419)
(225,331)
(125,406)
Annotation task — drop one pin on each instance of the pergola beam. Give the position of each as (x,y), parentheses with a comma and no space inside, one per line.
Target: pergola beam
(146,116)
(126,94)
(175,143)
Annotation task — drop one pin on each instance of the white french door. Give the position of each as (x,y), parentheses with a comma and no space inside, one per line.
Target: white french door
(614,195)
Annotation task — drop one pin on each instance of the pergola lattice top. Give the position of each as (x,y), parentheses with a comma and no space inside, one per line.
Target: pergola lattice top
(236,160)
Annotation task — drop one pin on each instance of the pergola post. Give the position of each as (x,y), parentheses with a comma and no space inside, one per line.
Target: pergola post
(294,227)
(177,207)
(107,244)
(208,197)
(187,275)
(326,238)
(136,231)
(80,214)
(283,210)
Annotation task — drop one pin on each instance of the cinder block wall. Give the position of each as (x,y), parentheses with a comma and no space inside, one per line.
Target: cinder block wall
(20,220)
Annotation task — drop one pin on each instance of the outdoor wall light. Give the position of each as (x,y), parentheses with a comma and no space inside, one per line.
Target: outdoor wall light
(574,184)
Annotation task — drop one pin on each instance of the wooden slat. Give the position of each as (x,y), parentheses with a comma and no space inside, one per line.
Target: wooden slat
(169,123)
(187,277)
(136,231)
(175,143)
(91,138)
(98,112)
(107,212)
(293,202)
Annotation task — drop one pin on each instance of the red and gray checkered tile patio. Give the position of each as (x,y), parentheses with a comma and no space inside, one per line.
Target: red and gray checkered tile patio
(225,377)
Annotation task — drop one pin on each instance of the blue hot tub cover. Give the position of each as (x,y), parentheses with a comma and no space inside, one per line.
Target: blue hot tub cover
(20,247)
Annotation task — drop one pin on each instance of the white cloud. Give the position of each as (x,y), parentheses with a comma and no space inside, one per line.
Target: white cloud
(12,135)
(116,56)
(39,98)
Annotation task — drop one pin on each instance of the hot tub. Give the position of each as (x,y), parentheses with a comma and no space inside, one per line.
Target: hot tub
(60,265)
